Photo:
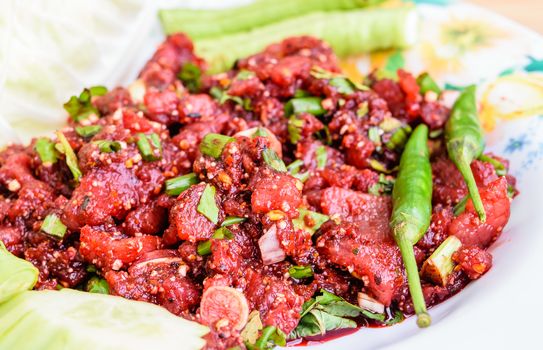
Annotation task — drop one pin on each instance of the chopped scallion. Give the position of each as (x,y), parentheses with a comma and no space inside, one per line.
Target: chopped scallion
(213,144)
(343,85)
(108,146)
(204,248)
(232,220)
(88,131)
(439,265)
(81,107)
(322,157)
(53,226)
(294,167)
(97,285)
(71,159)
(244,74)
(311,105)
(294,128)
(374,134)
(300,272)
(149,146)
(207,205)
(190,76)
(176,185)
(302,176)
(363,109)
(313,218)
(272,159)
(46,151)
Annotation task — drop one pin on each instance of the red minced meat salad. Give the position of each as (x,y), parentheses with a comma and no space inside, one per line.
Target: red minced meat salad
(240,234)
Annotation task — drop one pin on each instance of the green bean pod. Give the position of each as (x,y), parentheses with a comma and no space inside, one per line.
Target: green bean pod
(465,142)
(348,32)
(210,23)
(412,210)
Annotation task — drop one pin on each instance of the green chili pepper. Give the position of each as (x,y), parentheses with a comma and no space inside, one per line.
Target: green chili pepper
(412,210)
(465,142)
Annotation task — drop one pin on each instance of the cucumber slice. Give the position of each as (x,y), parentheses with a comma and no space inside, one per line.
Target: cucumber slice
(70,319)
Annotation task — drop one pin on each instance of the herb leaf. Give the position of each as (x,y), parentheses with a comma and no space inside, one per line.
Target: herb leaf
(65,148)
(272,159)
(53,226)
(81,107)
(190,76)
(317,218)
(322,157)
(207,205)
(46,151)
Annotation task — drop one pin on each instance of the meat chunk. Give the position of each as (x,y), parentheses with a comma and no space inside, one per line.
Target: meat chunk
(112,251)
(467,226)
(190,224)
(276,191)
(275,298)
(473,260)
(103,194)
(377,261)
(159,277)
(371,213)
(148,219)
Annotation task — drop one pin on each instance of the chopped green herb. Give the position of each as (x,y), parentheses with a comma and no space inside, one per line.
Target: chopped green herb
(108,146)
(97,285)
(380,167)
(294,167)
(213,144)
(374,134)
(46,151)
(149,146)
(398,317)
(90,268)
(324,135)
(399,138)
(207,205)
(300,272)
(244,74)
(434,134)
(88,131)
(223,233)
(390,124)
(271,337)
(317,219)
(71,159)
(53,226)
(460,207)
(426,83)
(363,109)
(222,96)
(232,220)
(383,186)
(302,176)
(272,159)
(343,85)
(176,185)
(301,93)
(311,105)
(190,75)
(204,248)
(81,107)
(438,267)
(322,157)
(294,128)
(498,166)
